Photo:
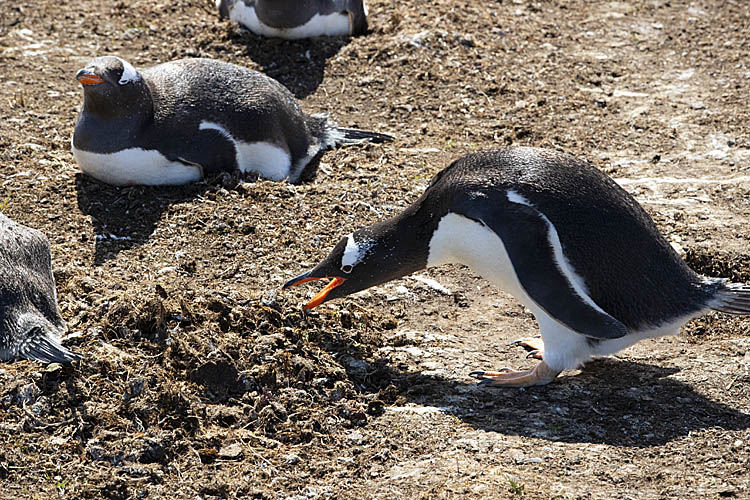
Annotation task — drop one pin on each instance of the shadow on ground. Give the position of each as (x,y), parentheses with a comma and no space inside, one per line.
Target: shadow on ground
(611,402)
(298,64)
(124,217)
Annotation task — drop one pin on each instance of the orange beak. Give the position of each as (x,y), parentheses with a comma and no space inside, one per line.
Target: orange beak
(321,296)
(89,79)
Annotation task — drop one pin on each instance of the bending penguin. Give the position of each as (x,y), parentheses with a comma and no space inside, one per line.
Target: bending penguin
(30,323)
(295,19)
(560,236)
(182,120)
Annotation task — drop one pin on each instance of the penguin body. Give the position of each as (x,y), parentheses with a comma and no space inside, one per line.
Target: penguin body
(182,120)
(296,19)
(560,236)
(30,322)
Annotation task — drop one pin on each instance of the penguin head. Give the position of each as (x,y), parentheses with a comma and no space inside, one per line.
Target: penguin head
(365,258)
(109,84)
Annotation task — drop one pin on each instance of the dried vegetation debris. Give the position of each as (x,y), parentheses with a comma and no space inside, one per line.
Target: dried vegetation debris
(161,381)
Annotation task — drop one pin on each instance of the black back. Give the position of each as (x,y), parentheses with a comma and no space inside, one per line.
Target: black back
(629,268)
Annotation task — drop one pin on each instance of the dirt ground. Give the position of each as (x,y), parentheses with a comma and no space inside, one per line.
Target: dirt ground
(202,380)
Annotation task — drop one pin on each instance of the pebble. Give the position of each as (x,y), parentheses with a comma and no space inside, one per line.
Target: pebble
(355,437)
(230,451)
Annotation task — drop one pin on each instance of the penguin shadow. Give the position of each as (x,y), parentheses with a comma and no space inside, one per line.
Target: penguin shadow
(612,402)
(125,217)
(299,65)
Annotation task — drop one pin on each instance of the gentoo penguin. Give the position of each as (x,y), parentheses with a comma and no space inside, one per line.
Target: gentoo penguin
(30,323)
(294,19)
(179,121)
(560,236)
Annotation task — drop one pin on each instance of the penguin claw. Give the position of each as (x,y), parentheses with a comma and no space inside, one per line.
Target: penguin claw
(481,374)
(536,354)
(526,339)
(534,344)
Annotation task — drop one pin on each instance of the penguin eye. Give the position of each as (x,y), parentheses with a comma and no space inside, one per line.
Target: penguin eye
(347,268)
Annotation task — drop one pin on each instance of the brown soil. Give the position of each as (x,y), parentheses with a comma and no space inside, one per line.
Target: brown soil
(201,381)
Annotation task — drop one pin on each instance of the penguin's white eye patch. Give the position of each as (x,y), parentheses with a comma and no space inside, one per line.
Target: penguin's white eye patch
(354,252)
(129,73)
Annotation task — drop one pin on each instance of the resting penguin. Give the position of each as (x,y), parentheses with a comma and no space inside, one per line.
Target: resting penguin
(556,233)
(294,19)
(30,323)
(177,122)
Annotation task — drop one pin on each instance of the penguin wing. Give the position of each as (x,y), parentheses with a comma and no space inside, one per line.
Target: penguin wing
(530,239)
(212,149)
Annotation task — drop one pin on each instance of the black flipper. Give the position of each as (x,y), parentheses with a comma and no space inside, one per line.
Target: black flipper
(212,151)
(356,136)
(525,234)
(43,346)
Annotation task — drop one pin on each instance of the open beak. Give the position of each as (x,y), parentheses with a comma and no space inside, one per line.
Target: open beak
(87,78)
(321,296)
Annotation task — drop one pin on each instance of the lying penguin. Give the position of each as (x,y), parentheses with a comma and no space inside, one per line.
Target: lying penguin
(182,120)
(30,323)
(560,236)
(294,19)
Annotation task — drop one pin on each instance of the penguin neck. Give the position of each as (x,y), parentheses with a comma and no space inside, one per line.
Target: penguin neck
(133,109)
(403,246)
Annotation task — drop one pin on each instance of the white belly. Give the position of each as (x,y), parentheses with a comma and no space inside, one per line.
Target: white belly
(335,24)
(135,166)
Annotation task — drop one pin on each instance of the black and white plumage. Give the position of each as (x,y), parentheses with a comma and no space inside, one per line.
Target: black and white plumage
(295,19)
(555,232)
(182,120)
(30,323)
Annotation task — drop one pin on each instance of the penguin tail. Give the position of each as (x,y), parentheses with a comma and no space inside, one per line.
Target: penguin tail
(43,346)
(357,136)
(733,298)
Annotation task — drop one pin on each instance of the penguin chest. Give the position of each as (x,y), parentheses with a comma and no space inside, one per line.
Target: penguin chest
(135,166)
(334,24)
(459,239)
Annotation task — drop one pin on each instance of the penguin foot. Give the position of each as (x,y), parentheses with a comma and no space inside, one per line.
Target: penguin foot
(541,374)
(481,374)
(533,344)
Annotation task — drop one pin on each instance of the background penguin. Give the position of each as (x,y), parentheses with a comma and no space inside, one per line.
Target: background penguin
(294,19)
(30,323)
(179,121)
(556,233)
